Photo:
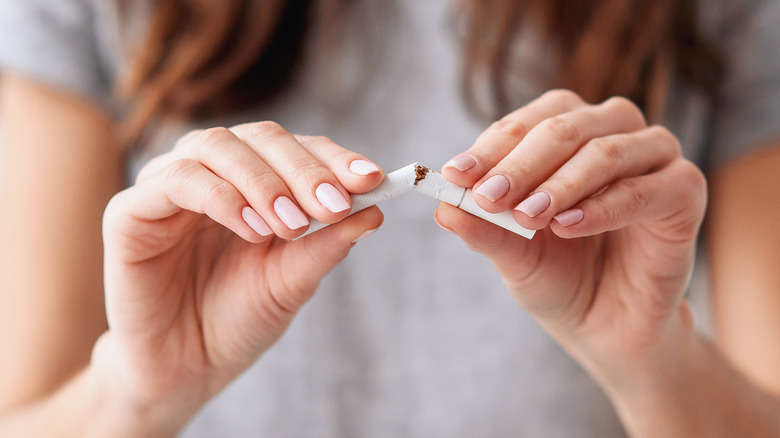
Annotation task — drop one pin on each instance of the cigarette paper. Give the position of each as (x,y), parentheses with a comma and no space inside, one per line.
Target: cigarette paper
(395,184)
(434,185)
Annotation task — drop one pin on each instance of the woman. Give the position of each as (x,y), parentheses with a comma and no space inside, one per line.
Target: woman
(413,335)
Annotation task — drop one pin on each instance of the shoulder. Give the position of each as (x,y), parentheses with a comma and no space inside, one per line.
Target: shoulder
(63,44)
(746,34)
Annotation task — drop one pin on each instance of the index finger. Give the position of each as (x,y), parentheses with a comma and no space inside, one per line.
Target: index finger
(502,137)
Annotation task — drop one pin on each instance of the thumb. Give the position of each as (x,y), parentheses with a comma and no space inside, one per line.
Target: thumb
(306,261)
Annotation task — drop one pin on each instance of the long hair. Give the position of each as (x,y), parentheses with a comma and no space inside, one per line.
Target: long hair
(601,48)
(201,57)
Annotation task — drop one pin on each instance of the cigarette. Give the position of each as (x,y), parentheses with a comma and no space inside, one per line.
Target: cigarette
(434,185)
(419,178)
(395,184)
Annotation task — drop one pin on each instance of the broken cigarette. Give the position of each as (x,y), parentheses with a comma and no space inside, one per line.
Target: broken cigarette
(428,182)
(394,185)
(434,185)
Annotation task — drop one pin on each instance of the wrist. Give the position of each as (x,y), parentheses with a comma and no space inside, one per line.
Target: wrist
(676,387)
(662,362)
(121,408)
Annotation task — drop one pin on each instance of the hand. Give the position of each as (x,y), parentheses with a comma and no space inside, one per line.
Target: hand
(619,210)
(200,278)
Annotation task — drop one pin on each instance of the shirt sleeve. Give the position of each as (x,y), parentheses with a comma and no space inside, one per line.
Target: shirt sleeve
(54,42)
(748,116)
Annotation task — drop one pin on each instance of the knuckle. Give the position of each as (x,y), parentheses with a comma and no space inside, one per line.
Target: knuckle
(214,136)
(692,172)
(262,182)
(209,141)
(566,185)
(563,97)
(607,148)
(665,138)
(510,127)
(637,195)
(218,191)
(562,130)
(318,140)
(267,128)
(517,171)
(309,171)
(602,209)
(181,169)
(692,176)
(627,109)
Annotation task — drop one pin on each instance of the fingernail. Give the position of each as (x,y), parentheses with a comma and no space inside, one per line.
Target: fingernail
(364,235)
(256,222)
(534,204)
(363,167)
(462,162)
(569,217)
(289,213)
(495,188)
(331,198)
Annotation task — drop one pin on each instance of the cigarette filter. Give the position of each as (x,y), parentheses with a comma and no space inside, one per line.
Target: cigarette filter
(434,185)
(395,184)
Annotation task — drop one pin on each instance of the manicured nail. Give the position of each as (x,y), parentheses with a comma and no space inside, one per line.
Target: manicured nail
(495,188)
(569,217)
(462,162)
(364,235)
(256,222)
(289,213)
(331,198)
(363,167)
(534,204)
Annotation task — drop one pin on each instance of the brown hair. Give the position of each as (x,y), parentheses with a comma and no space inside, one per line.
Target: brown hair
(601,48)
(201,56)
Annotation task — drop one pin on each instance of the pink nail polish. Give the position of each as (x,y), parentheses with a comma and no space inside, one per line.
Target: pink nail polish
(462,162)
(289,213)
(495,188)
(535,204)
(256,222)
(569,217)
(331,198)
(363,167)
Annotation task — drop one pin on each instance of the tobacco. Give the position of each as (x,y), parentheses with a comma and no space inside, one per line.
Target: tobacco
(419,173)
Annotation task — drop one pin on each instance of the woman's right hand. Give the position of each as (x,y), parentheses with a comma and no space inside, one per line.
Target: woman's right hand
(201,277)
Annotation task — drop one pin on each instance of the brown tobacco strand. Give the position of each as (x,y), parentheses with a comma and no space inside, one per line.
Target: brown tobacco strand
(420,173)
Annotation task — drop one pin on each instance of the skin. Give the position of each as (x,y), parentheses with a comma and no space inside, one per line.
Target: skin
(51,298)
(744,198)
(180,256)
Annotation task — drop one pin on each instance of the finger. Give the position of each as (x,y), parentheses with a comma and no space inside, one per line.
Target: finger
(548,146)
(312,184)
(227,156)
(356,173)
(502,136)
(314,256)
(478,234)
(596,165)
(674,198)
(159,162)
(184,186)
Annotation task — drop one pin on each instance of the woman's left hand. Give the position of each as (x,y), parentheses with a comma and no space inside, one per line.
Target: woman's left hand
(618,209)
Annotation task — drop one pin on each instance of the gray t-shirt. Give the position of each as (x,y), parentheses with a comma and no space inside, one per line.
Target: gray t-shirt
(413,334)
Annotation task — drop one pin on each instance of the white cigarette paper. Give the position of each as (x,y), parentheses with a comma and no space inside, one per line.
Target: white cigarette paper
(435,186)
(419,178)
(395,184)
